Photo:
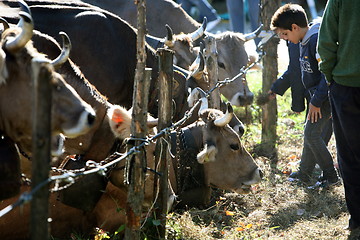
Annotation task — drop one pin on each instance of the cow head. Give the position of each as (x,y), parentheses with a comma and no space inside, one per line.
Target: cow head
(19,63)
(199,77)
(227,163)
(183,45)
(120,124)
(231,58)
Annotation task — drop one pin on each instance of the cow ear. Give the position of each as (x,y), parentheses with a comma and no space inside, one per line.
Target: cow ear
(3,70)
(197,67)
(120,121)
(208,154)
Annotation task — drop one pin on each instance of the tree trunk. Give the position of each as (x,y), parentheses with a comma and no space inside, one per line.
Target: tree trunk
(270,72)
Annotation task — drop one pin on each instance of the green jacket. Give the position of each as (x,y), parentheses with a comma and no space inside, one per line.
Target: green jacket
(339,42)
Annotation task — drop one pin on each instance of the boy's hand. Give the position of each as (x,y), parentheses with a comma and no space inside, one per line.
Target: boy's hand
(314,113)
(272,95)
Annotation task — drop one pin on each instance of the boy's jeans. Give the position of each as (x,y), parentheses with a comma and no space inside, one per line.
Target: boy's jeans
(315,150)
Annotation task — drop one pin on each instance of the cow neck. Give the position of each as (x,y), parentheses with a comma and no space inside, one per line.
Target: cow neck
(186,168)
(154,96)
(98,137)
(180,107)
(24,154)
(179,110)
(178,93)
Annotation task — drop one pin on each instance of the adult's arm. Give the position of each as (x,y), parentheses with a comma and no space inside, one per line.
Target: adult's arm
(328,39)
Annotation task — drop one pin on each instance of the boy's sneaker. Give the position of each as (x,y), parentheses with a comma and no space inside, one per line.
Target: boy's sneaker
(325,183)
(299,177)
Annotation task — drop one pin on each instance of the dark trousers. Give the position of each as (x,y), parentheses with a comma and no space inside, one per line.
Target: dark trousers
(345,103)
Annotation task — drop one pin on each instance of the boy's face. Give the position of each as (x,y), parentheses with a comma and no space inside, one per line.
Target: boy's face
(294,36)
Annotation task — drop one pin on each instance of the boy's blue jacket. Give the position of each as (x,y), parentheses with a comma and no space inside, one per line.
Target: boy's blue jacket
(291,78)
(314,81)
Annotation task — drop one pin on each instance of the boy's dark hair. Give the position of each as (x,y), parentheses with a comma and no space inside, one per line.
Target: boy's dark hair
(287,15)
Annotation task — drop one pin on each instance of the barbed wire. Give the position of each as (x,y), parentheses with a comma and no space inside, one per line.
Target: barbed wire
(70,176)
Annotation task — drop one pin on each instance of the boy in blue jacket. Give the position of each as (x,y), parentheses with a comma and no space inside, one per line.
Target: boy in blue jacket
(291,78)
(291,24)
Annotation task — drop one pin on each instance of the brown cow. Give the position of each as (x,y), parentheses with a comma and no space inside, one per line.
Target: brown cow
(71,116)
(211,155)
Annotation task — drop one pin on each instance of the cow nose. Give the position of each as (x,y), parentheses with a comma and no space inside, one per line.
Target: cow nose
(91,118)
(246,99)
(261,173)
(240,129)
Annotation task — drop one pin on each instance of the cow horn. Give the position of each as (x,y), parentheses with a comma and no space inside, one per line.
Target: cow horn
(65,52)
(5,23)
(169,37)
(204,101)
(253,34)
(27,26)
(221,122)
(199,32)
(200,63)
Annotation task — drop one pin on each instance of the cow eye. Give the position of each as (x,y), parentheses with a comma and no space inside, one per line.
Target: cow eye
(221,65)
(234,146)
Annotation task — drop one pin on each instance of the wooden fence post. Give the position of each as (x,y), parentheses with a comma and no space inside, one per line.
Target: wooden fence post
(41,147)
(135,165)
(162,154)
(134,170)
(211,55)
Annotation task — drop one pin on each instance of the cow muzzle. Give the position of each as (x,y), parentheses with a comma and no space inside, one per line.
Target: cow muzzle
(85,122)
(241,99)
(255,177)
(57,145)
(244,189)
(245,186)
